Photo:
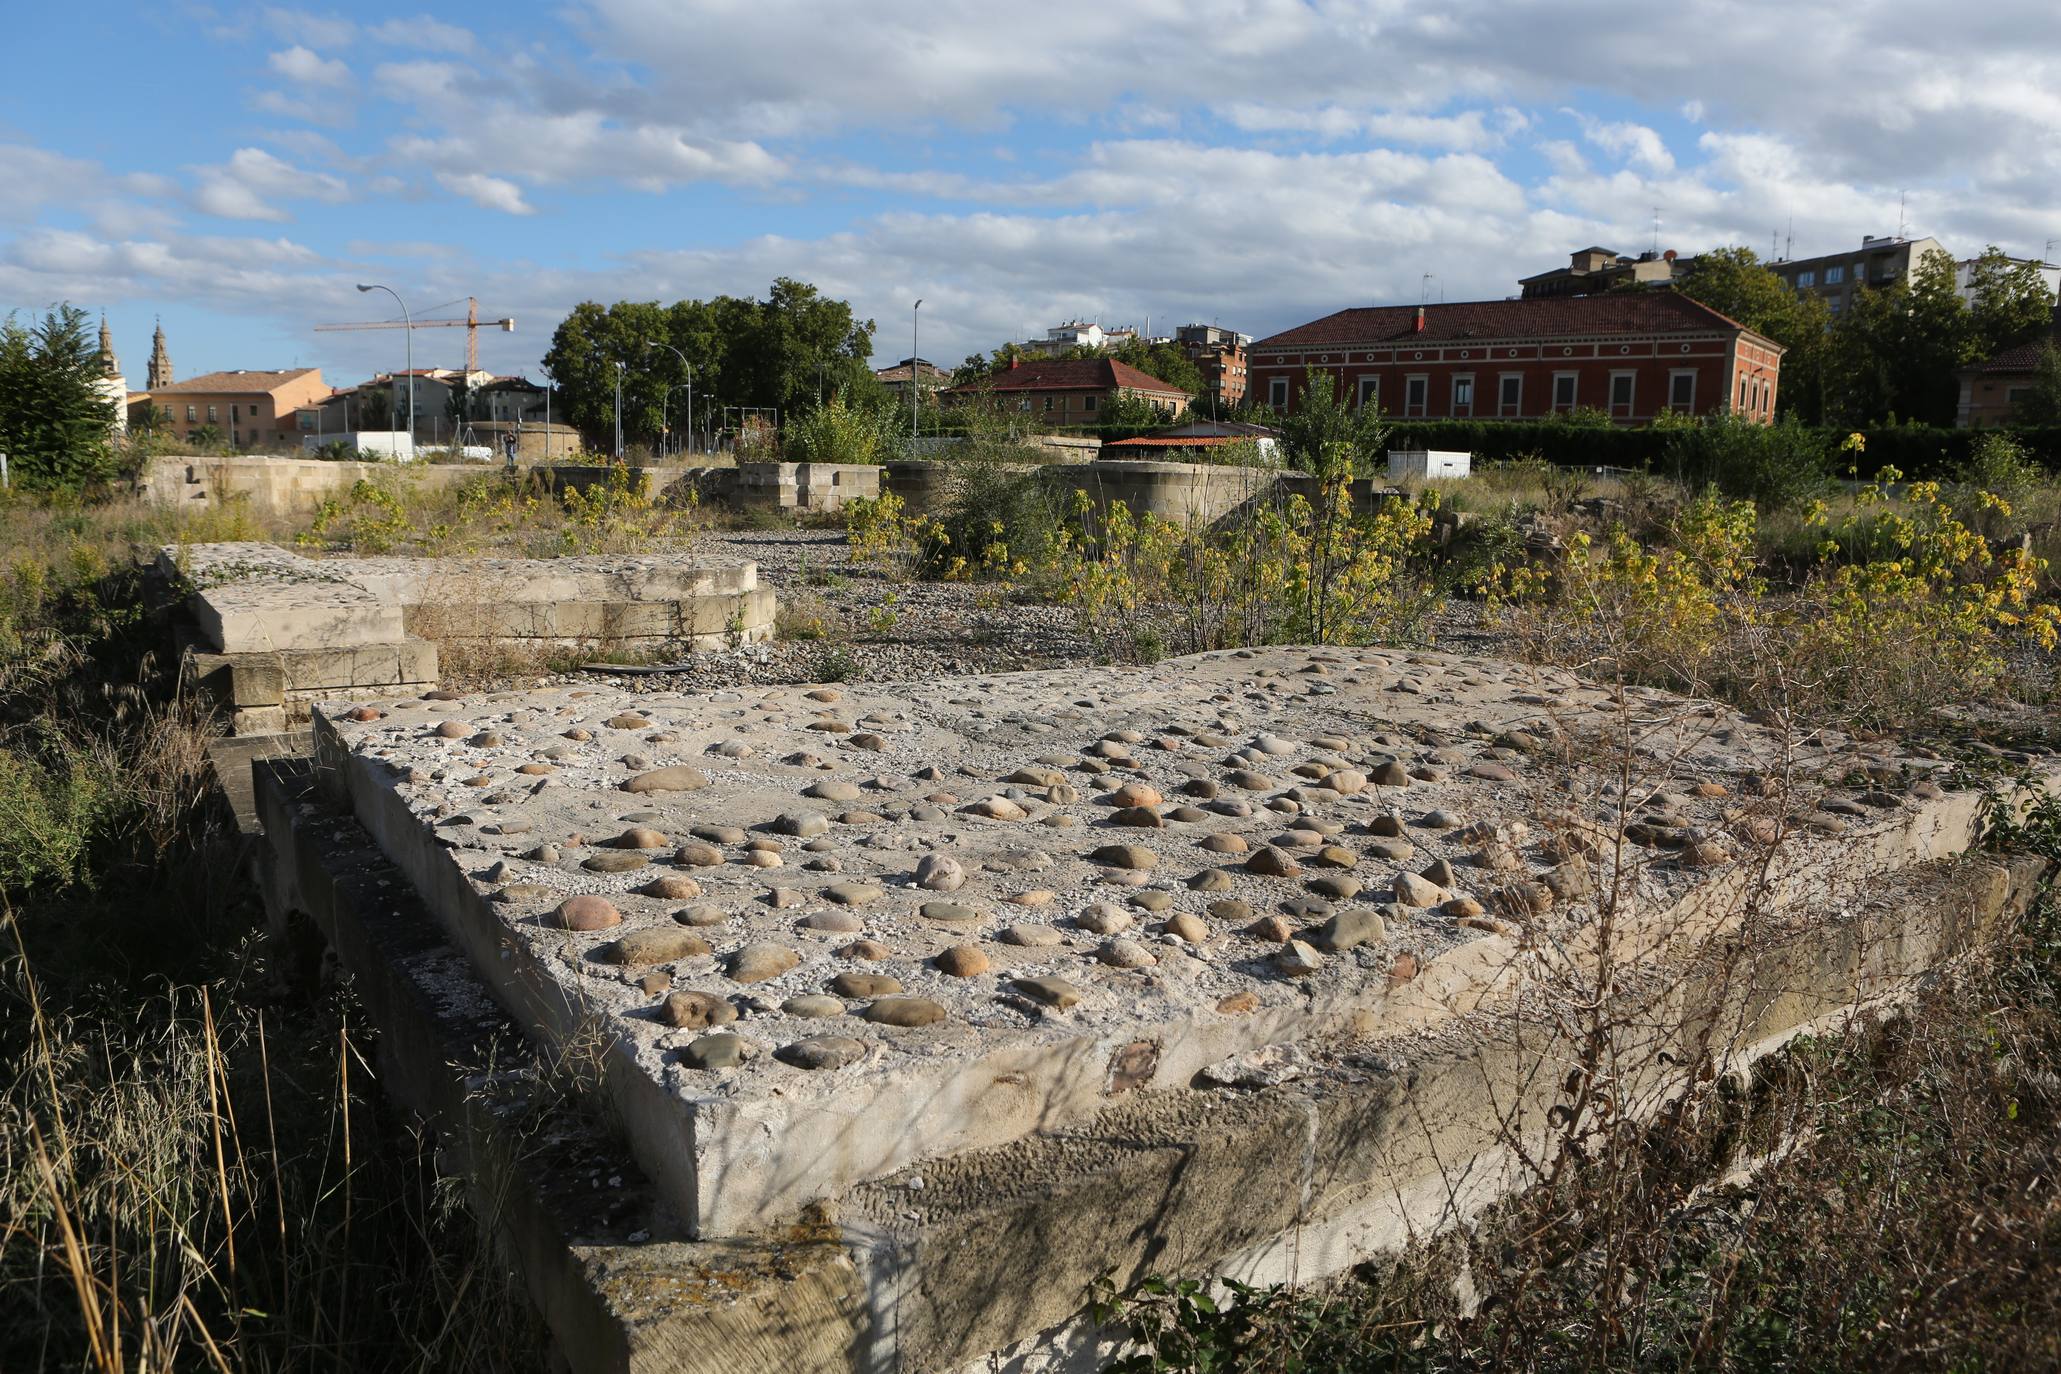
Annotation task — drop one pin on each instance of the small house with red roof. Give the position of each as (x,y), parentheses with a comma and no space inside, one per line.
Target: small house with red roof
(1634,355)
(1993,389)
(1072,391)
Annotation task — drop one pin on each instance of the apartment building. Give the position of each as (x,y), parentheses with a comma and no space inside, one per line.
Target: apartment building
(1593,270)
(1219,354)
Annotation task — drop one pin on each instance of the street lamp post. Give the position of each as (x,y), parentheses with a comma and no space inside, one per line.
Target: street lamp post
(408,329)
(914,315)
(620,369)
(648,343)
(544,369)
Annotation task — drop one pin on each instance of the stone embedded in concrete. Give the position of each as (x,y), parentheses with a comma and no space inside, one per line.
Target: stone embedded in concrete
(999,1062)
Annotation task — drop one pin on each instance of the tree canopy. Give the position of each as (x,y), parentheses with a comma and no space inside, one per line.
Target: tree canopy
(1733,282)
(789,352)
(1892,354)
(55,420)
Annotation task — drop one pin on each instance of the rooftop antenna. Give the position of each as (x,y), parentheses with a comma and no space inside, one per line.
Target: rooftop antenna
(1656,228)
(1424,289)
(1901,224)
(1789,243)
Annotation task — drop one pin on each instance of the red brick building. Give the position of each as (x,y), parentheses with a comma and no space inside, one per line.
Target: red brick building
(1634,354)
(1073,391)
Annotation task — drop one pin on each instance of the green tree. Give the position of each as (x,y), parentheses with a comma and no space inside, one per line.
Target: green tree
(1896,349)
(1326,436)
(1733,282)
(787,352)
(2042,404)
(55,421)
(2009,302)
(1125,410)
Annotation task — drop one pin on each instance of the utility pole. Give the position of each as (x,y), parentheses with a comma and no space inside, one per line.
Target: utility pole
(408,331)
(914,316)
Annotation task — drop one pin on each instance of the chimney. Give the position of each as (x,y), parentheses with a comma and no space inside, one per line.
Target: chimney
(1420,320)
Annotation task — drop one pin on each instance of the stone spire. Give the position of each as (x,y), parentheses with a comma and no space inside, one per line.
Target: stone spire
(108,366)
(160,361)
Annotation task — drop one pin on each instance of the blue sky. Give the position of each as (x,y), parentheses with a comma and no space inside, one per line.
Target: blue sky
(233,169)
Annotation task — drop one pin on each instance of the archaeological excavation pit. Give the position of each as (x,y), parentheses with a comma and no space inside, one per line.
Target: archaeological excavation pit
(986,985)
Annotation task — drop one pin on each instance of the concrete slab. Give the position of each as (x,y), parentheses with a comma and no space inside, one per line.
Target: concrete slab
(1403,835)
(984,1260)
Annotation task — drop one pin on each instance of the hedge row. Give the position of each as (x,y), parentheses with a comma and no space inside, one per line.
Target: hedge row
(1914,450)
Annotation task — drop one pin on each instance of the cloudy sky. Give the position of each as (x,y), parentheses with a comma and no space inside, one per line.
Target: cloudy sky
(234,169)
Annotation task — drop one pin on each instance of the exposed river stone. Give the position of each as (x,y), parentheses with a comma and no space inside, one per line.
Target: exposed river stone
(723,1051)
(859,985)
(760,960)
(822,1052)
(615,861)
(657,946)
(678,778)
(586,912)
(963,961)
(1349,929)
(1052,992)
(904,1011)
(675,887)
(940,873)
(693,1010)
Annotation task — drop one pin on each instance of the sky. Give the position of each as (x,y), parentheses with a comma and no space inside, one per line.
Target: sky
(234,170)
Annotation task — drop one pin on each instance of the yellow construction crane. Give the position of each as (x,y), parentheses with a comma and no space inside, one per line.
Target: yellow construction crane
(470,324)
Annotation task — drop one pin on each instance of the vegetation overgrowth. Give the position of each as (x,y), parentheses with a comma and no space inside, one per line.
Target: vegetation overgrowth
(198,1166)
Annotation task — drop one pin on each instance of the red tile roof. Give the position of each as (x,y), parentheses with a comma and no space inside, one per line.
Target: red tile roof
(2023,357)
(1640,313)
(1077,374)
(227,383)
(1176,441)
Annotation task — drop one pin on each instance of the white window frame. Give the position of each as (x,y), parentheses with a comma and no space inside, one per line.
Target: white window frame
(1508,406)
(1804,279)
(1453,408)
(1369,389)
(1687,407)
(1835,274)
(1417,384)
(1277,393)
(1631,404)
(1574,381)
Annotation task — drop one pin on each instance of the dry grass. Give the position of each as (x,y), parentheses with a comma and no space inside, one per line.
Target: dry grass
(198,1168)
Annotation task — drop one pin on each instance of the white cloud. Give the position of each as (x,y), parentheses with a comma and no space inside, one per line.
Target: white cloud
(312,30)
(491,193)
(425,34)
(309,68)
(255,185)
(1635,144)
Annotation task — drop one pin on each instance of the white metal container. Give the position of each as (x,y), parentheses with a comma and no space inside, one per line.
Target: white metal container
(1428,462)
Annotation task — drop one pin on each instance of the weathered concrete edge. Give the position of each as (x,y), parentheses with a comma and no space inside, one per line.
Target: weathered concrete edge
(1299,1183)
(759,1306)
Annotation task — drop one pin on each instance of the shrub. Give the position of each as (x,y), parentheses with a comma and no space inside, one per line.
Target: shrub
(837,433)
(1775,465)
